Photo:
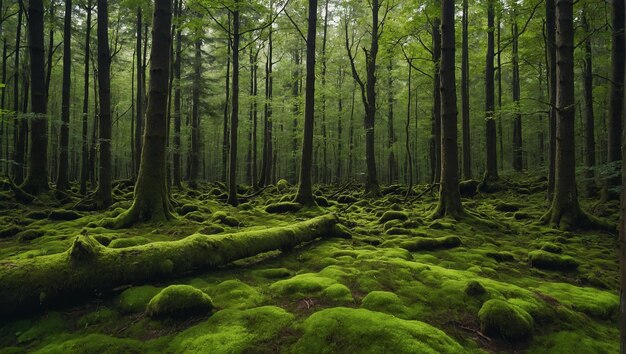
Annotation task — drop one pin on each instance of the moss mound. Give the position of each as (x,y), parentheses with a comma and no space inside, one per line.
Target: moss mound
(393,215)
(136,298)
(188,208)
(384,301)
(64,215)
(546,260)
(128,242)
(302,285)
(178,301)
(283,207)
(232,331)
(29,235)
(94,344)
(500,318)
(593,302)
(346,330)
(234,293)
(426,243)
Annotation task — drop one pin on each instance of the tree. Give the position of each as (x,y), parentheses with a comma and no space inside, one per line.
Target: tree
(139,118)
(449,194)
(467,154)
(195,115)
(550,42)
(491,172)
(151,198)
(234,117)
(19,125)
(435,139)
(103,196)
(62,181)
(305,189)
(590,145)
(517,117)
(84,172)
(176,181)
(37,173)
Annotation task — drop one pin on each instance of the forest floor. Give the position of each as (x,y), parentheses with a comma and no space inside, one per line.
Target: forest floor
(401,284)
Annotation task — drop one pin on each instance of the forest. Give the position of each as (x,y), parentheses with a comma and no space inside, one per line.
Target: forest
(312,176)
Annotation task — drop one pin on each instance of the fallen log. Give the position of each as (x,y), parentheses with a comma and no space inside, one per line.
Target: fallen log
(88,268)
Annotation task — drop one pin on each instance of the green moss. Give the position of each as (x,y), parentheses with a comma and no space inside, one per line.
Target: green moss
(551,247)
(211,229)
(302,285)
(10,230)
(392,215)
(568,342)
(226,219)
(136,299)
(501,256)
(338,293)
(29,235)
(128,242)
(283,207)
(509,321)
(346,199)
(425,243)
(474,288)
(273,273)
(345,330)
(179,301)
(384,301)
(188,208)
(94,344)
(593,302)
(195,216)
(49,324)
(101,315)
(233,331)
(65,215)
(234,293)
(547,260)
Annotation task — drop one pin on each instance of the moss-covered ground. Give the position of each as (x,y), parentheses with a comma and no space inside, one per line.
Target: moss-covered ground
(496,282)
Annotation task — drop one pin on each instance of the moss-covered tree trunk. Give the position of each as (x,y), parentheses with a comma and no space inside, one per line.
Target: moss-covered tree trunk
(88,267)
(449,194)
(37,173)
(305,189)
(151,199)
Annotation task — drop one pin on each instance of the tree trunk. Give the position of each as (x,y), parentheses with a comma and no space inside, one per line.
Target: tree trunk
(590,144)
(408,135)
(151,200)
(305,188)
(234,117)
(449,194)
(517,118)
(552,64)
(255,92)
(50,49)
(177,105)
(84,172)
(616,102)
(325,169)
(338,172)
(372,188)
(266,165)
(37,174)
(565,212)
(295,91)
(18,125)
(62,181)
(103,196)
(139,99)
(435,141)
(491,172)
(226,106)
(195,116)
(467,153)
(393,165)
(89,268)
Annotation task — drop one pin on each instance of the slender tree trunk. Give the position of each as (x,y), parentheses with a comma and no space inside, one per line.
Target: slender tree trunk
(139,99)
(103,192)
(226,106)
(18,125)
(408,135)
(295,90)
(151,199)
(552,68)
(467,154)
(266,166)
(84,171)
(338,173)
(590,144)
(255,70)
(371,184)
(37,174)
(499,72)
(351,132)
(393,165)
(616,101)
(325,170)
(517,118)
(435,141)
(50,49)
(491,172)
(234,117)
(305,187)
(177,105)
(62,181)
(195,116)
(449,194)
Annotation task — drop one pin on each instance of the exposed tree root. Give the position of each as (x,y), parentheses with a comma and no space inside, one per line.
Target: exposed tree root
(88,267)
(573,218)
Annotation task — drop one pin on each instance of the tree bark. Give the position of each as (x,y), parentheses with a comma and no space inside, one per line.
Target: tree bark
(590,144)
(467,154)
(325,169)
(37,173)
(195,116)
(139,99)
(552,68)
(517,118)
(226,106)
(391,159)
(19,124)
(84,172)
(234,117)
(491,172)
(449,194)
(266,164)
(177,105)
(62,180)
(304,195)
(435,141)
(151,199)
(103,196)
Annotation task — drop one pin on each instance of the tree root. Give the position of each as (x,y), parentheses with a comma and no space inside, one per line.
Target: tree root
(88,267)
(575,218)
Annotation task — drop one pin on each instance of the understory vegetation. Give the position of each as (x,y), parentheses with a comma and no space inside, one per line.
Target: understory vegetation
(389,279)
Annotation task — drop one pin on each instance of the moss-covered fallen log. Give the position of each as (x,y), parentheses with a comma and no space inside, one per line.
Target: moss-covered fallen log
(88,267)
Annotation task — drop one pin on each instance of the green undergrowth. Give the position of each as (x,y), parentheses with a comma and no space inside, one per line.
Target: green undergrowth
(403,283)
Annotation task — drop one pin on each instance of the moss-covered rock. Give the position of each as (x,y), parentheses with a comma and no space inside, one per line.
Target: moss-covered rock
(346,330)
(474,288)
(93,344)
(346,199)
(551,247)
(234,293)
(593,302)
(468,188)
(392,215)
(384,301)
(179,301)
(338,293)
(37,214)
(49,324)
(128,242)
(501,256)
(302,286)
(188,208)
(29,235)
(500,318)
(10,230)
(65,215)
(283,207)
(426,243)
(226,219)
(136,299)
(551,261)
(211,229)
(507,207)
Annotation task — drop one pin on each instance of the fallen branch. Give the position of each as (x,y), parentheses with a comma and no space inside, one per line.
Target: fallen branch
(432,186)
(88,267)
(346,186)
